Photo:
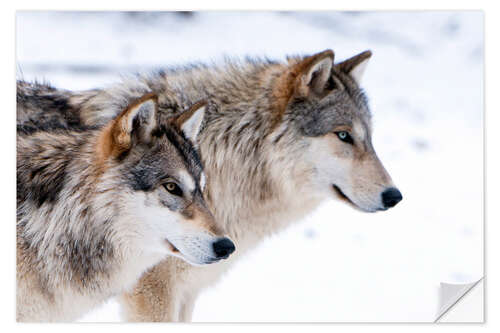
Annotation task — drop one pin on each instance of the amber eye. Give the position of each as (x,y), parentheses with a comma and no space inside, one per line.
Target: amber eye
(345,136)
(173,188)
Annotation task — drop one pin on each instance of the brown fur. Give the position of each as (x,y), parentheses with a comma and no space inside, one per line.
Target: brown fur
(291,82)
(270,150)
(115,138)
(93,213)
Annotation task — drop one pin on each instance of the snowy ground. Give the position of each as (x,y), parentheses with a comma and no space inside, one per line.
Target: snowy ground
(425,84)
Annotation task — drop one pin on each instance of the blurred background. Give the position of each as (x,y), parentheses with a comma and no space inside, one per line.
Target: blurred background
(425,86)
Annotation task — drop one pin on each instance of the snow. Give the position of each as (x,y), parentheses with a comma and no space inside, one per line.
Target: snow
(425,84)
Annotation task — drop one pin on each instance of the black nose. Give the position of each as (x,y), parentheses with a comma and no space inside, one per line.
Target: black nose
(223,248)
(391,197)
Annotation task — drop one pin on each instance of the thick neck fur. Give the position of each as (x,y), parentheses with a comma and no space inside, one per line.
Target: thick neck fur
(248,146)
(68,241)
(250,159)
(58,216)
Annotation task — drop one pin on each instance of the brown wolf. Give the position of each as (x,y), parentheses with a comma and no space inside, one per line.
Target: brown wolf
(98,207)
(280,137)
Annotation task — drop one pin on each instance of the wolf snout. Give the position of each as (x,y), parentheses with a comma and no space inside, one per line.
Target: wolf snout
(391,197)
(223,248)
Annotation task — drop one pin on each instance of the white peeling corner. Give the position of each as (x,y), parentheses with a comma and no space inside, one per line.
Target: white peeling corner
(461,303)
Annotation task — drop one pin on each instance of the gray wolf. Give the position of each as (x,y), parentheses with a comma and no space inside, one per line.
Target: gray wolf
(96,207)
(280,137)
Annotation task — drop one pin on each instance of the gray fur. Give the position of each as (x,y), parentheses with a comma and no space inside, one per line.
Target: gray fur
(256,147)
(77,239)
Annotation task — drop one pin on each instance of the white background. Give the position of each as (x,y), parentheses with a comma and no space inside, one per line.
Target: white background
(491,158)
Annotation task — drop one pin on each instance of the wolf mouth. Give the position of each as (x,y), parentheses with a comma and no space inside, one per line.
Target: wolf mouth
(342,196)
(172,247)
(176,252)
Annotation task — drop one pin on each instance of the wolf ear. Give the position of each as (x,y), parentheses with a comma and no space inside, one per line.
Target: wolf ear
(356,65)
(190,122)
(312,73)
(136,122)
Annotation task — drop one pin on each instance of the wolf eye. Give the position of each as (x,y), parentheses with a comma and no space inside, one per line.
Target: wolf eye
(173,188)
(345,136)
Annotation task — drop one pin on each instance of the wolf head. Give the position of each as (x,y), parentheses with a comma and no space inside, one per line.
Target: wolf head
(329,111)
(160,179)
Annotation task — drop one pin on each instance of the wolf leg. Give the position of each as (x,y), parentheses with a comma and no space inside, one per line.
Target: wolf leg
(186,309)
(154,297)
(168,291)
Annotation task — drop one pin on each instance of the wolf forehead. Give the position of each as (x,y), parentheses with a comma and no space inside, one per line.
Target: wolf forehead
(171,155)
(345,104)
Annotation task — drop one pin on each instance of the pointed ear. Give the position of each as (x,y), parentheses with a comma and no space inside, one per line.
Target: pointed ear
(312,73)
(356,65)
(190,122)
(136,122)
